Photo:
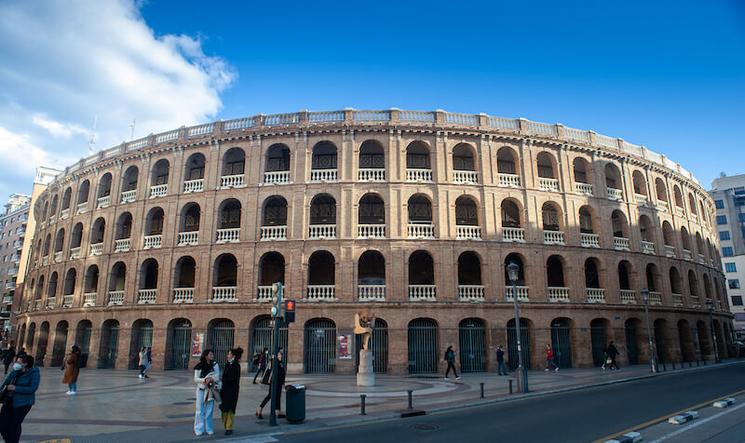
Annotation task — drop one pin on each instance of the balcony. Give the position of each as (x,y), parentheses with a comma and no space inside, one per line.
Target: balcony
(370,231)
(103,202)
(188,238)
(52,218)
(466,177)
(67,301)
(228,235)
(45,260)
(589,240)
(89,299)
(268,233)
(75,253)
(323,175)
(158,191)
(677,299)
(183,295)
(316,232)
(595,295)
(129,196)
(371,175)
(193,186)
(64,213)
(655,298)
(224,294)
(641,199)
(371,292)
(116,298)
(235,181)
(522,294)
(669,251)
(615,194)
(662,206)
(58,257)
(621,244)
(146,296)
(514,235)
(628,297)
(419,175)
(509,180)
(321,292)
(51,302)
(584,189)
(687,255)
(264,294)
(680,211)
(695,302)
(548,184)
(701,259)
(558,295)
(96,249)
(422,293)
(153,241)
(421,230)
(38,305)
(277,177)
(647,247)
(471,293)
(468,233)
(82,207)
(553,238)
(122,245)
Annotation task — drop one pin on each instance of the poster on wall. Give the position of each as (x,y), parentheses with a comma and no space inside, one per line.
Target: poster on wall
(196,344)
(344,347)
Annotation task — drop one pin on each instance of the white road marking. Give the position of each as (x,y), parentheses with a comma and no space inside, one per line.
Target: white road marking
(698,423)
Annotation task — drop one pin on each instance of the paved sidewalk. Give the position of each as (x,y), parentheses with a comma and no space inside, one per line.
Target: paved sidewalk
(114,405)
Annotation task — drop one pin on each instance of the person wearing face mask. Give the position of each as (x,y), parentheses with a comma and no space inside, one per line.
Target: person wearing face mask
(207,378)
(18,394)
(231,379)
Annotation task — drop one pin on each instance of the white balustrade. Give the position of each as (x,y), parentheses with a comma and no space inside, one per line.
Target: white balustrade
(146,296)
(323,175)
(273,233)
(103,202)
(677,299)
(121,245)
(277,177)
(321,292)
(371,175)
(51,302)
(548,184)
(628,297)
(695,302)
(129,196)
(45,260)
(670,251)
(371,292)
(471,177)
(58,256)
(655,298)
(64,213)
(621,244)
(371,231)
(38,304)
(417,230)
(228,235)
(116,298)
(422,292)
(680,211)
(522,294)
(687,255)
(82,207)
(188,238)
(553,237)
(589,240)
(558,295)
(662,206)
(583,188)
(196,185)
(419,175)
(52,218)
(153,241)
(516,235)
(615,194)
(96,249)
(595,295)
(321,231)
(509,180)
(640,199)
(183,295)
(467,232)
(264,293)
(701,259)
(647,247)
(471,292)
(74,253)
(158,191)
(233,181)
(67,301)
(224,293)
(89,299)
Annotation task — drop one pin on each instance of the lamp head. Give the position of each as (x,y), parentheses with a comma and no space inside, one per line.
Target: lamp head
(513,271)
(645,295)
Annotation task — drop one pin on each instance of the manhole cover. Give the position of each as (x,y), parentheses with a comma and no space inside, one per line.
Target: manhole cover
(425,427)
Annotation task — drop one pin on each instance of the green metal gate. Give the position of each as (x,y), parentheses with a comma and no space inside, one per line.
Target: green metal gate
(221,338)
(262,336)
(512,345)
(179,346)
(379,344)
(142,336)
(472,345)
(561,342)
(632,347)
(319,350)
(83,340)
(598,338)
(109,345)
(41,347)
(423,346)
(60,340)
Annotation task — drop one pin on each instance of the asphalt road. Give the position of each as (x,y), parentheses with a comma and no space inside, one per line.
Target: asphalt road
(578,416)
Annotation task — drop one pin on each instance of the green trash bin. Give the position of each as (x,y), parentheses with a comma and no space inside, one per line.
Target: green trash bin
(295,403)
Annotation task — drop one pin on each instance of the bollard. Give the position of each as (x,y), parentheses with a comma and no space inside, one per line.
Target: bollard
(362,404)
(482,390)
(510,386)
(409,392)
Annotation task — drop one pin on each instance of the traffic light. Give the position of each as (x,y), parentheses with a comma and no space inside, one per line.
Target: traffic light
(277,300)
(289,311)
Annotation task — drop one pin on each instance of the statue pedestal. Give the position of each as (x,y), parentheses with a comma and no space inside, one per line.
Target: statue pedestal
(365,373)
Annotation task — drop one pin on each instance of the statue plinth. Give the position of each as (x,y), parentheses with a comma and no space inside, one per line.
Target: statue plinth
(365,372)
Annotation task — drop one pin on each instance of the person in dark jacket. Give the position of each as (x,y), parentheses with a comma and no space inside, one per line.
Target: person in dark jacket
(450,358)
(231,381)
(262,363)
(9,356)
(501,367)
(22,382)
(612,353)
(278,391)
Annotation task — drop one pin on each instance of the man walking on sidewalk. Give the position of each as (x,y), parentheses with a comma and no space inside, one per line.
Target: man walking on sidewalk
(550,363)
(501,367)
(450,358)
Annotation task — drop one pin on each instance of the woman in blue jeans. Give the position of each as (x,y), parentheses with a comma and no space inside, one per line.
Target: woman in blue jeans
(21,385)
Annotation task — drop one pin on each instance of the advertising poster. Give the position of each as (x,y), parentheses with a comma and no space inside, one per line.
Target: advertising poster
(345,347)
(196,344)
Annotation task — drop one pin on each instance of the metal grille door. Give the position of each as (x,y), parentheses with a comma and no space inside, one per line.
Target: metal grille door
(58,349)
(142,336)
(562,344)
(83,340)
(659,343)
(109,346)
(598,339)
(41,348)
(632,347)
(379,344)
(512,347)
(423,346)
(221,336)
(180,344)
(320,347)
(261,337)
(472,346)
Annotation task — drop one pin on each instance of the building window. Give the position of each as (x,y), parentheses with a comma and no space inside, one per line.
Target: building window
(727,251)
(730,267)
(736,300)
(721,219)
(734,283)
(724,235)
(719,204)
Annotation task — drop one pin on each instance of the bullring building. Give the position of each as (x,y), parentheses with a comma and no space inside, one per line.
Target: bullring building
(413,215)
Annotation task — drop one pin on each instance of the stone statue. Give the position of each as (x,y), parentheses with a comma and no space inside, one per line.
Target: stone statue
(363,325)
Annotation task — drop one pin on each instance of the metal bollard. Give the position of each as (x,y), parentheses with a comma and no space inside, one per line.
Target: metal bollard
(510,386)
(482,390)
(409,392)
(362,404)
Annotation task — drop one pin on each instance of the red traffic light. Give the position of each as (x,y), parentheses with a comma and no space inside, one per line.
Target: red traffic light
(289,311)
(290,305)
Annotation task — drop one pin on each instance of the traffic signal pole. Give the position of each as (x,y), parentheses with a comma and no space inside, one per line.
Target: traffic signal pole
(277,317)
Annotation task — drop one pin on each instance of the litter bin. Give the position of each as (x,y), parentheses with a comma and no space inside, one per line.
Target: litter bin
(295,403)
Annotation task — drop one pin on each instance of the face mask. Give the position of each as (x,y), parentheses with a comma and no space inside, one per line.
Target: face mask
(17,366)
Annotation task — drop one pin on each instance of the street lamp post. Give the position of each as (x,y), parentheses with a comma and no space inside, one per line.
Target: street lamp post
(513,272)
(710,305)
(652,350)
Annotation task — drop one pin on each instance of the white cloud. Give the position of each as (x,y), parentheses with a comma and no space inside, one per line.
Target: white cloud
(18,151)
(66,63)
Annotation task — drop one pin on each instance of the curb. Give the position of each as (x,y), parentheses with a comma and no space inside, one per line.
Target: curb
(727,402)
(683,418)
(629,437)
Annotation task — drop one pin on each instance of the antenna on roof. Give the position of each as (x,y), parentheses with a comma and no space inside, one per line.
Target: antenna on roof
(92,140)
(132,129)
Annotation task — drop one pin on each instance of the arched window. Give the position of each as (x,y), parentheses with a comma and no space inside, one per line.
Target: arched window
(675,283)
(52,287)
(194,167)
(624,275)
(463,157)
(517,259)
(685,239)
(668,234)
(653,278)
(149,274)
(550,217)
(59,241)
(277,158)
(510,214)
(640,184)
(371,210)
(271,269)
(185,273)
(226,271)
(129,179)
(661,190)
(53,208)
(275,211)
(469,273)
(419,209)
(545,164)
(592,274)
(321,276)
(104,186)
(371,276)
(66,198)
(98,231)
(154,222)
(233,162)
(83,192)
(581,171)
(324,156)
(612,177)
(555,272)
(585,220)
(417,155)
(466,212)
(124,226)
(76,238)
(646,229)
(506,161)
(70,280)
(619,223)
(230,214)
(692,204)
(190,215)
(323,210)
(372,155)
(421,269)
(118,277)
(90,285)
(160,172)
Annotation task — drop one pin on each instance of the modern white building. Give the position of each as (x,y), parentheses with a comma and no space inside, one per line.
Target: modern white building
(729,199)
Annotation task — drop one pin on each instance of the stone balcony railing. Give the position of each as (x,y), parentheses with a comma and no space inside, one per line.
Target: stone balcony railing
(103,201)
(96,249)
(188,238)
(67,301)
(58,256)
(235,181)
(371,292)
(264,293)
(228,235)
(153,241)
(647,247)
(589,240)
(553,238)
(122,245)
(422,292)
(558,295)
(641,199)
(687,255)
(45,260)
(146,296)
(662,206)
(64,213)
(421,230)
(370,231)
(129,196)
(615,194)
(595,295)
(268,233)
(82,207)
(628,297)
(224,294)
(467,232)
(317,232)
(75,253)
(276,177)
(701,259)
(584,189)
(116,298)
(465,177)
(158,191)
(323,175)
(89,299)
(655,298)
(522,294)
(371,175)
(51,302)
(509,180)
(183,295)
(419,175)
(321,292)
(670,251)
(470,293)
(516,235)
(621,244)
(680,211)
(548,184)
(196,185)
(677,299)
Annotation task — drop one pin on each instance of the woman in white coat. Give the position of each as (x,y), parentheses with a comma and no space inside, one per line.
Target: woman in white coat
(207,378)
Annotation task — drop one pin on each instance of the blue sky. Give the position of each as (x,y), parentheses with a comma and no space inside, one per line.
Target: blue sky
(668,75)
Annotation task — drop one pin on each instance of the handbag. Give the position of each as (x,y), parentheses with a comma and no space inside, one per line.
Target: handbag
(266,379)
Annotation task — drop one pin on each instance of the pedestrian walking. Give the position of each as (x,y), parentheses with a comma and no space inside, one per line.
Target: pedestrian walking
(9,356)
(501,367)
(267,380)
(142,362)
(450,358)
(260,361)
(207,378)
(231,380)
(18,394)
(612,353)
(71,367)
(550,363)
(148,360)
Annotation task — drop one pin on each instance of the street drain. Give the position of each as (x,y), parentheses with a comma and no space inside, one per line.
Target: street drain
(425,427)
